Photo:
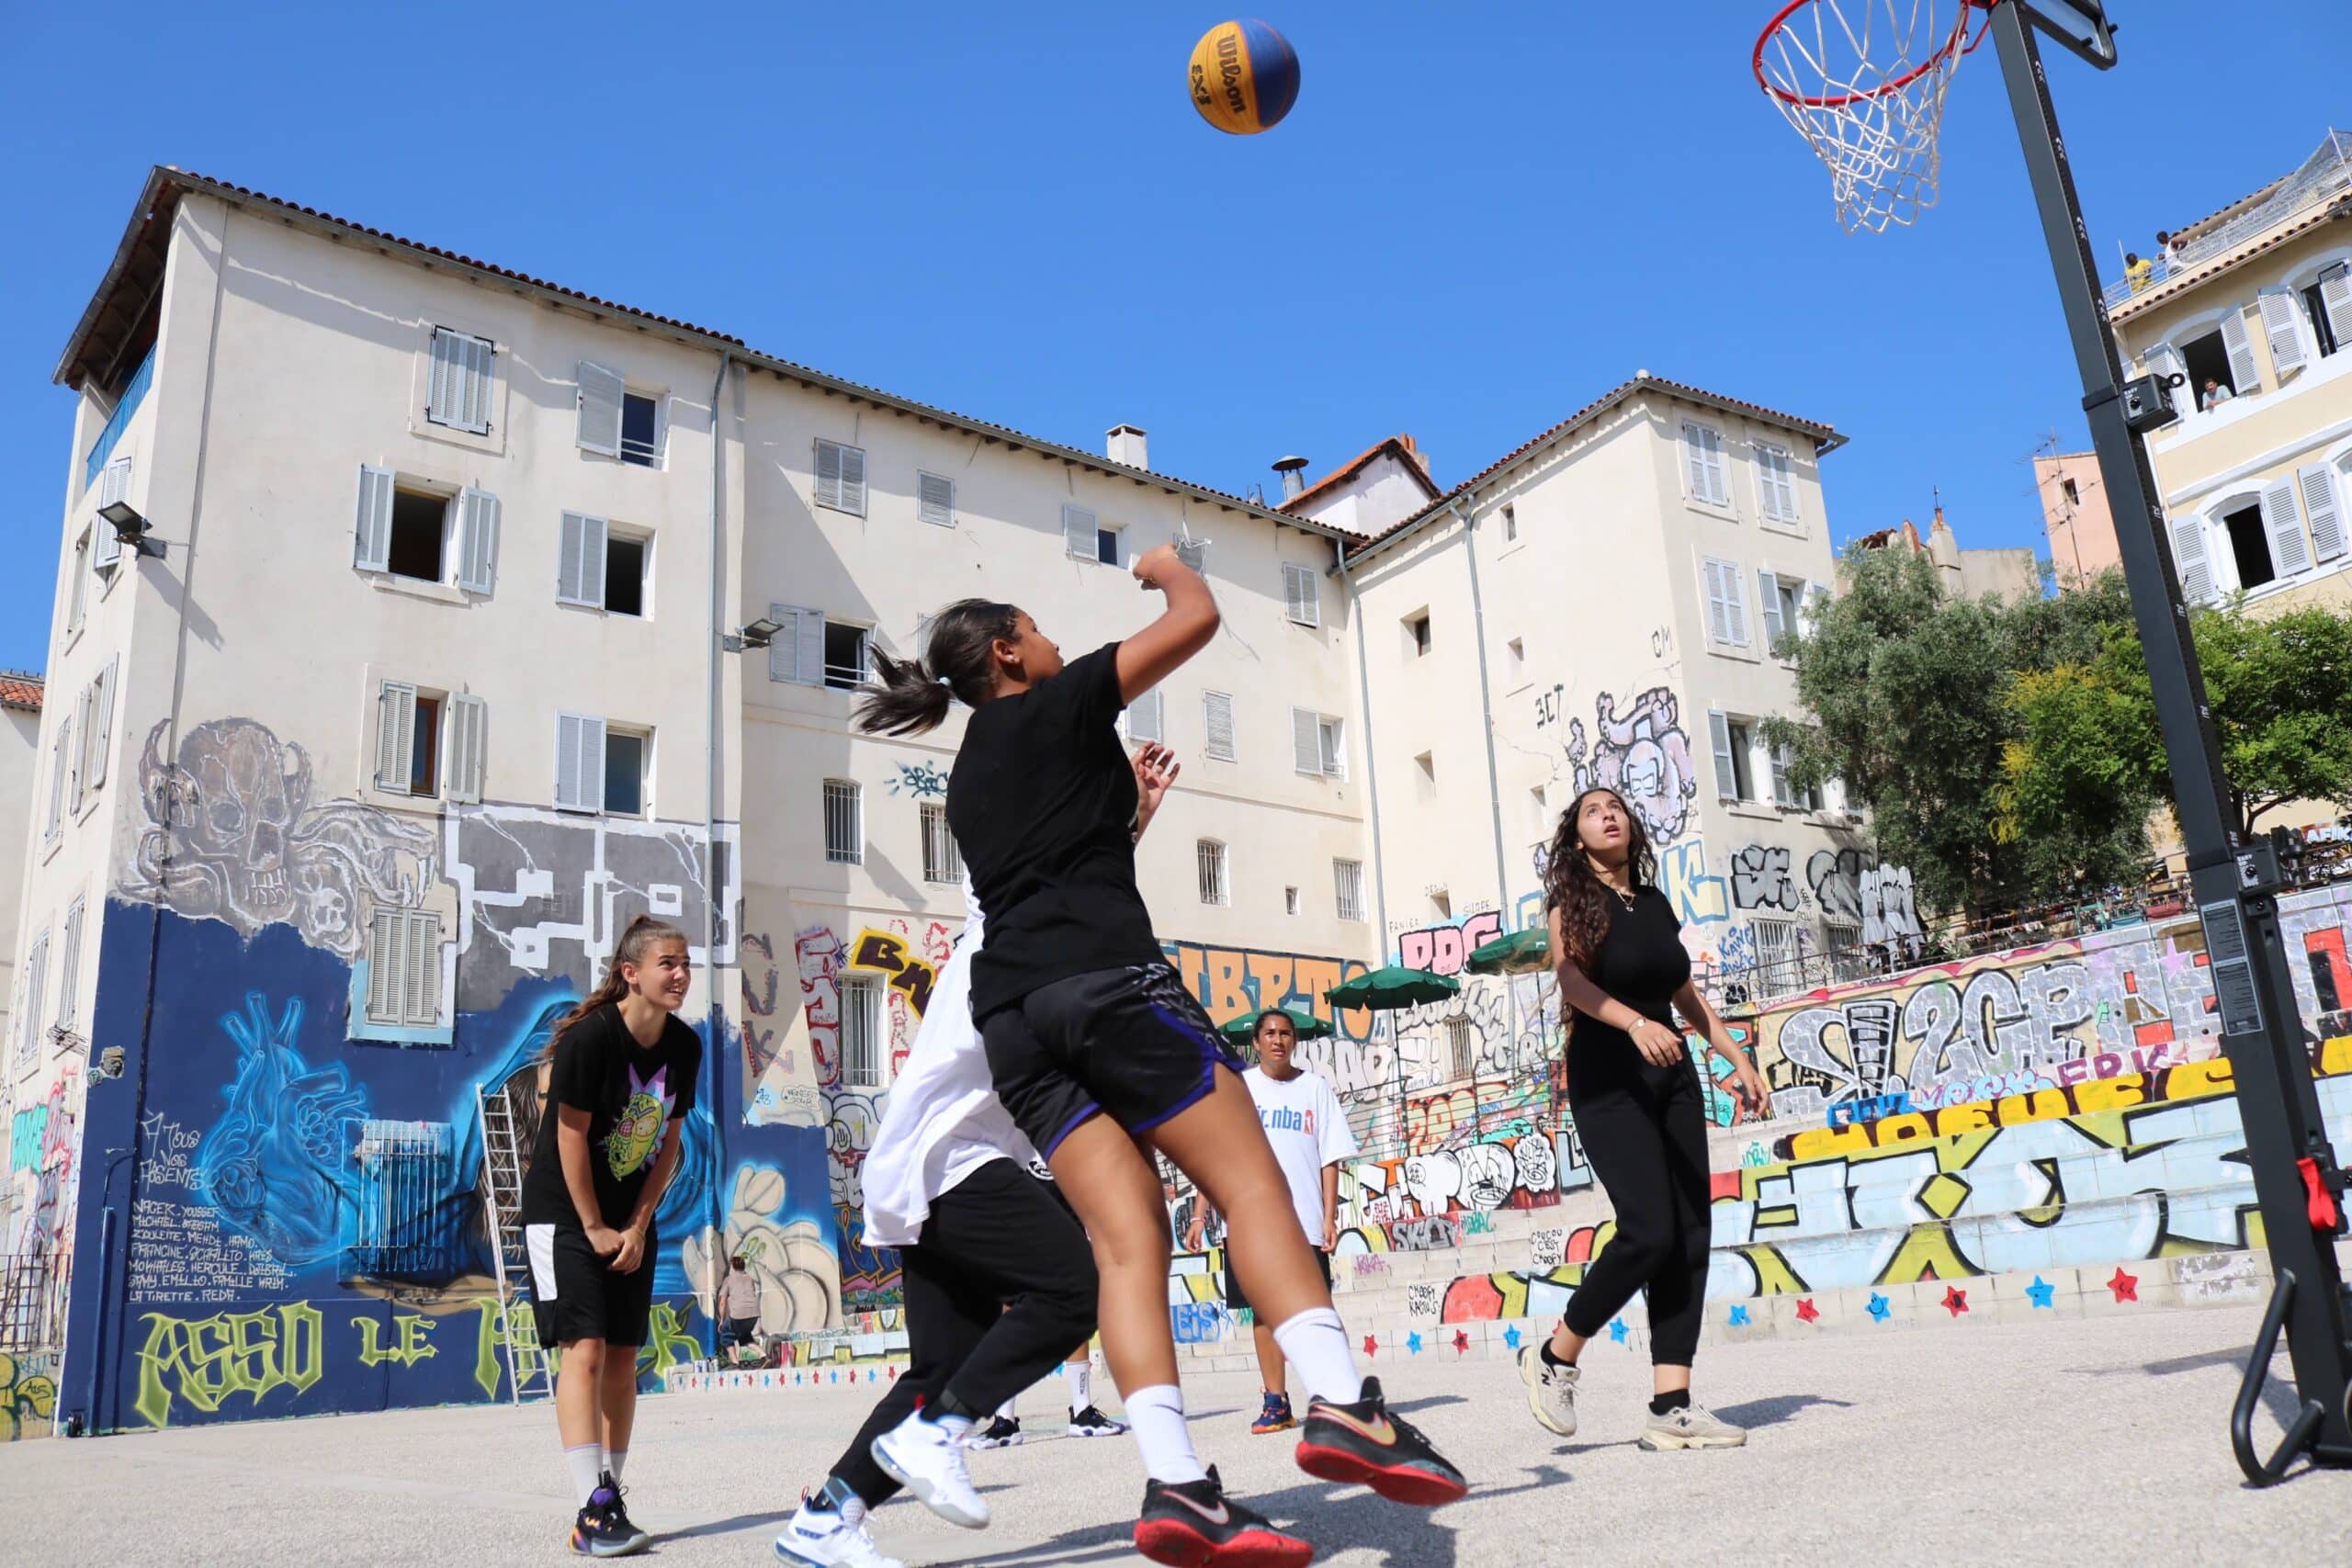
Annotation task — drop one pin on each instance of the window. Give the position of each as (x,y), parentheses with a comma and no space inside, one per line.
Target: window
(2282,327)
(1289,900)
(2072,493)
(1776,485)
(626,754)
(617,423)
(1217,719)
(844,823)
(2190,559)
(28,1052)
(2225,356)
(1316,744)
(2322,509)
(1781,601)
(1458,1047)
(1416,633)
(625,564)
(95,716)
(406,531)
(840,478)
(60,778)
(1733,740)
(458,392)
(578,762)
(641,430)
(2266,538)
(1702,453)
(420,528)
(1784,792)
(847,665)
(601,567)
(941,860)
(864,1062)
(1441,903)
(1210,854)
(1146,719)
(2327,306)
(466,747)
(1779,956)
(69,968)
(797,652)
(404,968)
(77,591)
(1302,595)
(935,499)
(1194,553)
(1726,603)
(1511,524)
(408,739)
(114,484)
(1085,538)
(1347,888)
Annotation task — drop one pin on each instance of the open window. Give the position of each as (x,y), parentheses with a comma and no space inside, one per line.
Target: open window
(602,565)
(2327,306)
(848,655)
(2219,362)
(1734,739)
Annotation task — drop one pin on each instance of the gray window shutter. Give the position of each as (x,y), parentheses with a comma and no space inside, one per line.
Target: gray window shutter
(1783,793)
(1217,718)
(579,563)
(2282,324)
(1767,599)
(1194,553)
(2284,523)
(853,480)
(458,394)
(1718,620)
(1302,595)
(420,968)
(77,757)
(2165,360)
(785,647)
(1078,532)
(385,953)
(114,484)
(2318,483)
(2335,298)
(578,762)
(477,541)
(600,410)
(395,736)
(935,499)
(69,968)
(828,474)
(1306,740)
(469,736)
(809,660)
(371,545)
(1145,716)
(592,560)
(99,739)
(2242,365)
(1727,774)
(1736,605)
(2188,559)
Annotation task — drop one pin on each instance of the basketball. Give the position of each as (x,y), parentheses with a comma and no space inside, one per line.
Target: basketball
(1244,77)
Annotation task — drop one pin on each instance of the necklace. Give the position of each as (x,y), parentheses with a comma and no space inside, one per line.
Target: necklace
(1625,894)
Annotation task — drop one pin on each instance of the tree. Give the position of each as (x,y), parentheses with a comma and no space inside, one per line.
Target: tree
(2278,686)
(1907,691)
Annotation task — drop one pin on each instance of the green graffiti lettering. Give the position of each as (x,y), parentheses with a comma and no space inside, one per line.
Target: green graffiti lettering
(406,1351)
(667,1345)
(210,1360)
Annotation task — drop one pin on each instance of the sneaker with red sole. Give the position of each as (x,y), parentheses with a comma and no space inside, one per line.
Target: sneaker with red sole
(1363,1444)
(1193,1523)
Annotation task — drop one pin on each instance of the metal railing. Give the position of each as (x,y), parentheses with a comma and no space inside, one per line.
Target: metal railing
(133,396)
(32,1302)
(2324,177)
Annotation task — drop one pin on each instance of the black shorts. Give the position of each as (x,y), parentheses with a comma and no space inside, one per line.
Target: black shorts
(576,1296)
(739,1331)
(1130,1042)
(1236,1302)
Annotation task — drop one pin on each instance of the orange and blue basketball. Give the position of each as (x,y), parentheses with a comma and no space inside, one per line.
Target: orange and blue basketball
(1244,77)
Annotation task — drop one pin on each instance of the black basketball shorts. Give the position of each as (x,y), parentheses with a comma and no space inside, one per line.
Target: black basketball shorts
(1131,1043)
(1235,1301)
(576,1296)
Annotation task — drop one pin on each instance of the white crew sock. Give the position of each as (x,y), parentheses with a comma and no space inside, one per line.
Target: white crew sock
(1080,1377)
(1315,1342)
(1156,1416)
(1005,1412)
(587,1463)
(614,1460)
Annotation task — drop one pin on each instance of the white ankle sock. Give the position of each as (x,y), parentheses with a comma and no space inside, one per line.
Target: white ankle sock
(587,1463)
(1156,1415)
(614,1460)
(1079,1378)
(1005,1412)
(1317,1344)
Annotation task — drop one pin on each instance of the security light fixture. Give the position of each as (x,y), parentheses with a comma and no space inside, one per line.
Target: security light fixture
(759,634)
(129,527)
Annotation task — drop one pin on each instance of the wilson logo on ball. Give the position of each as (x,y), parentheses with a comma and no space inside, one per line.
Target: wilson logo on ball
(1244,77)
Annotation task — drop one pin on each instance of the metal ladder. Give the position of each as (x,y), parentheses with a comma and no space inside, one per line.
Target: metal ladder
(501,1199)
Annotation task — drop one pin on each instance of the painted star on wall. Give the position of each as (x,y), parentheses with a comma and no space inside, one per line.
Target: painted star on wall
(2125,1286)
(1413,1342)
(1371,1346)
(1511,1336)
(1461,1342)
(1739,1317)
(1880,1307)
(2041,1293)
(1955,1299)
(1617,1329)
(1806,1311)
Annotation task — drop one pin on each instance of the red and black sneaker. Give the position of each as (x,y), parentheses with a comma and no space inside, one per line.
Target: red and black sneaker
(1363,1444)
(1193,1523)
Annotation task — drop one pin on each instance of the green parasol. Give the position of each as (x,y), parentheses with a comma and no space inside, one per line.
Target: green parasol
(1384,990)
(1522,952)
(1243,1029)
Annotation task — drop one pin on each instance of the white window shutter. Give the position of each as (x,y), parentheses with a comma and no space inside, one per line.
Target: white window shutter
(1302,595)
(2165,360)
(935,499)
(1783,793)
(1217,717)
(1694,465)
(1767,599)
(2335,299)
(98,737)
(600,410)
(2284,523)
(828,474)
(78,760)
(61,763)
(1078,532)
(1736,605)
(371,548)
(458,394)
(1718,625)
(1194,553)
(477,541)
(420,968)
(579,563)
(1146,716)
(578,762)
(810,658)
(114,484)
(853,480)
(385,952)
(1306,740)
(1726,776)
(2241,349)
(2326,518)
(69,968)
(2190,559)
(395,735)
(2282,324)
(467,754)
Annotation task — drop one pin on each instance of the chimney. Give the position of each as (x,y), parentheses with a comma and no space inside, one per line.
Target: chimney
(1125,444)
(1293,471)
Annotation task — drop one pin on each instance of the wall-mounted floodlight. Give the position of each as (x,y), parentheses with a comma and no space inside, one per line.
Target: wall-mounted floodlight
(129,527)
(759,634)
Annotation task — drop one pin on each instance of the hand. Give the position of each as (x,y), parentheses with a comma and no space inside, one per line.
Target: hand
(605,1240)
(1750,1083)
(1151,565)
(1330,1233)
(1156,769)
(631,1253)
(1659,1046)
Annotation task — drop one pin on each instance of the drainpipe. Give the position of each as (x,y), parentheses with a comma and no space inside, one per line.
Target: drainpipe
(721,626)
(1486,709)
(1379,861)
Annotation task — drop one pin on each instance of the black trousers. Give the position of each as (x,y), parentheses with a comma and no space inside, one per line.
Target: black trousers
(1000,1290)
(1645,1133)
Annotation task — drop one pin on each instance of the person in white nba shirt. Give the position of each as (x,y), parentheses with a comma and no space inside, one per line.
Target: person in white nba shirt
(1310,1137)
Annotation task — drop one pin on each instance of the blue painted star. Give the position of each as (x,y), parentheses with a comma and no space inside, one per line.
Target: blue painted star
(1880,1307)
(2040,1291)
(1511,1336)
(1739,1317)
(1617,1329)
(1413,1342)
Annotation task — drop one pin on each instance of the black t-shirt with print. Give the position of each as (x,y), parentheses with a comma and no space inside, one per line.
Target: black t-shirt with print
(1041,801)
(631,1093)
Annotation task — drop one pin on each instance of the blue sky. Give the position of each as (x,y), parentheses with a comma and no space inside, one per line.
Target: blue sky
(1468,227)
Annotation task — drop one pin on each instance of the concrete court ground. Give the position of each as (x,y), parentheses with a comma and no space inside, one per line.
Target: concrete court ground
(2098,1440)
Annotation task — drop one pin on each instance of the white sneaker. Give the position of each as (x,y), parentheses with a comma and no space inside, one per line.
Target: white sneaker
(821,1541)
(1550,1390)
(1692,1426)
(927,1458)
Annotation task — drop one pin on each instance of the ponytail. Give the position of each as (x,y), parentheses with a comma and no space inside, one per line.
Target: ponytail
(908,696)
(642,935)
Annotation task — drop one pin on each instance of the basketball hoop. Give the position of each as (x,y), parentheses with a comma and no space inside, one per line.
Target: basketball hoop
(1863,82)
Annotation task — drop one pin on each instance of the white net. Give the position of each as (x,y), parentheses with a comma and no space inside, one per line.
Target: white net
(1863,82)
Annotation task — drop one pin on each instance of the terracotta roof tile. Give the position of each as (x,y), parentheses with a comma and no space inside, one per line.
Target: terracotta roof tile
(18,690)
(1400,446)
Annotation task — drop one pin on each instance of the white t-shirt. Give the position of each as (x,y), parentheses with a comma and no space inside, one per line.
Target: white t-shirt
(1308,1131)
(943,1121)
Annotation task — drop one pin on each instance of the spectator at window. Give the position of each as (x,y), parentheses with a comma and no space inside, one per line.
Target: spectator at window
(2139,270)
(2215,394)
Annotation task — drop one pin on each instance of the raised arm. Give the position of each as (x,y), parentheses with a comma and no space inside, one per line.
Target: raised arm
(1182,630)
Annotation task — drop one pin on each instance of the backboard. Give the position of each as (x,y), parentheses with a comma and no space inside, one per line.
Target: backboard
(2080,25)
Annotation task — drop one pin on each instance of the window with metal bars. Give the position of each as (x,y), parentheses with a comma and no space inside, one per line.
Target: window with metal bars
(1210,856)
(844,823)
(865,1062)
(1347,881)
(941,860)
(1459,1047)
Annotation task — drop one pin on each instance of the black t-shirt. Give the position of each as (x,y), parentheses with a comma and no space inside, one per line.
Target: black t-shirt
(1041,801)
(1642,963)
(631,1093)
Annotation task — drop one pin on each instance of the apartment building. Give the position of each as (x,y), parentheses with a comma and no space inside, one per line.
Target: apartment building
(20,699)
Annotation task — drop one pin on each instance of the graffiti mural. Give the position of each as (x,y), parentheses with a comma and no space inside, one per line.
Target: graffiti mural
(1760,880)
(1644,755)
(924,781)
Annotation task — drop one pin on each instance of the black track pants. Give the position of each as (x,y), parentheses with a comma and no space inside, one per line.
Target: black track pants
(1647,1136)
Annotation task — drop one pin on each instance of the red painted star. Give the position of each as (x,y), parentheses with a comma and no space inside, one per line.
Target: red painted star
(2125,1286)
(1461,1342)
(1371,1346)
(1955,1299)
(1806,1311)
